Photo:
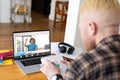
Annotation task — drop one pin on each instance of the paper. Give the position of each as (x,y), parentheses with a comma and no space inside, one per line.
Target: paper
(56,58)
(7,62)
(2,51)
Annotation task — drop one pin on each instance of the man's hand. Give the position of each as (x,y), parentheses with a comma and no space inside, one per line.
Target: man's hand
(67,63)
(49,68)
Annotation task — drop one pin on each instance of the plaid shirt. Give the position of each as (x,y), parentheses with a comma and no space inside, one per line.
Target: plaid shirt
(101,63)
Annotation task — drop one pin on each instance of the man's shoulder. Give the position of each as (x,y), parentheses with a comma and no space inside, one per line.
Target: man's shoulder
(86,57)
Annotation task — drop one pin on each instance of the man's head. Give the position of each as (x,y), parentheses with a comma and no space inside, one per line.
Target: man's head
(98,19)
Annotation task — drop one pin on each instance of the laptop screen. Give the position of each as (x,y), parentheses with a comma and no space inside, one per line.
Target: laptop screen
(29,44)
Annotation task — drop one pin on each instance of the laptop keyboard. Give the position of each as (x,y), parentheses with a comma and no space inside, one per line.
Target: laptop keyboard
(31,61)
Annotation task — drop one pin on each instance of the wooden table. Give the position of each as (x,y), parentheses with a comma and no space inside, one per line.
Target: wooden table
(11,72)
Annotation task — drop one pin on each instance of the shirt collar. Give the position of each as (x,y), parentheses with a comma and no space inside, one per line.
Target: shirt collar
(109,39)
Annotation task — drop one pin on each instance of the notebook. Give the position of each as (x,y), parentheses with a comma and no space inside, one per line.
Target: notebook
(29,47)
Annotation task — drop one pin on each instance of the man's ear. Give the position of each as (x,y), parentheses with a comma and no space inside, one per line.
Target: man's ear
(92,29)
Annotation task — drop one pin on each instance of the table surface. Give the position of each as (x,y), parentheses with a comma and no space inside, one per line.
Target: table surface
(11,72)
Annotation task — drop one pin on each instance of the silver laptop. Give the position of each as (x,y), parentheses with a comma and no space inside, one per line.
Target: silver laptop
(29,47)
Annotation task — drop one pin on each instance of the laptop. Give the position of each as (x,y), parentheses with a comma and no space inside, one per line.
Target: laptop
(29,47)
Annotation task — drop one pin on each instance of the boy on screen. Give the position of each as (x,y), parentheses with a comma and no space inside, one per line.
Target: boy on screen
(32,46)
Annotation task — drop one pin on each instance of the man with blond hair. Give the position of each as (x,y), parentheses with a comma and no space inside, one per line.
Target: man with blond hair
(99,29)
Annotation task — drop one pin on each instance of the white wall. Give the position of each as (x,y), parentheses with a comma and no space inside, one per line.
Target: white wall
(52,9)
(77,41)
(0,10)
(4,11)
(72,35)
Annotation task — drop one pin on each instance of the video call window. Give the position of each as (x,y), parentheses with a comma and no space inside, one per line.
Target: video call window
(29,44)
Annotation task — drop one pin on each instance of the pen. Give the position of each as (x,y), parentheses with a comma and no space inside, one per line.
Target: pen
(57,65)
